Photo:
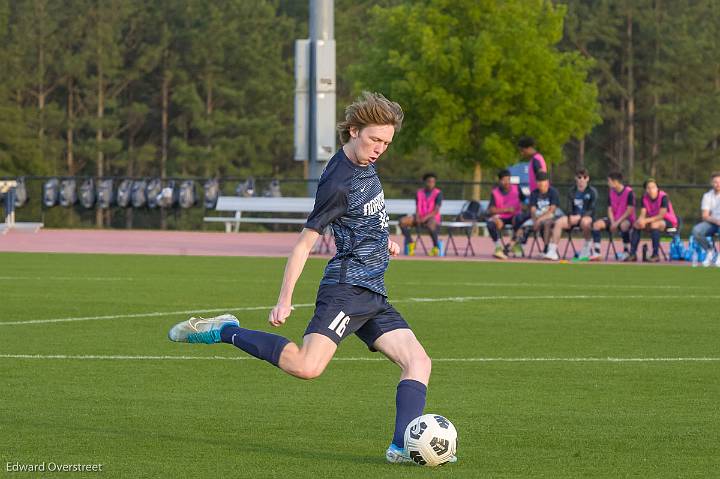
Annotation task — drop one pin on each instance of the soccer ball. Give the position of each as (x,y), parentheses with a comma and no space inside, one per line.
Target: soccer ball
(430,440)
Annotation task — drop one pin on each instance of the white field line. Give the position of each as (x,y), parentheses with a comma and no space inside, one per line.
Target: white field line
(365,359)
(66,278)
(554,285)
(452,299)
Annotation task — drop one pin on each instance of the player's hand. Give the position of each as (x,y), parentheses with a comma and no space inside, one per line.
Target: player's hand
(393,248)
(613,227)
(279,314)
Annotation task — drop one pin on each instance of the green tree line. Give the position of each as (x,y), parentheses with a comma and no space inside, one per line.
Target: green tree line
(204,88)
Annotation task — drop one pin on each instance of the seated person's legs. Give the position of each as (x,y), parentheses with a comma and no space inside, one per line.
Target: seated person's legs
(598,227)
(545,228)
(406,223)
(433,228)
(561,224)
(518,233)
(586,224)
(625,230)
(701,232)
(656,228)
(495,225)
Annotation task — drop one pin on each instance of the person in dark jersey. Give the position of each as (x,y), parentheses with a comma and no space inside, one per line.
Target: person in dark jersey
(620,215)
(581,201)
(505,208)
(544,201)
(352,298)
(656,215)
(428,201)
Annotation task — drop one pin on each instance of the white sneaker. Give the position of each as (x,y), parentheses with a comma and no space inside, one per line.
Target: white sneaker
(622,256)
(595,256)
(551,255)
(584,252)
(708,259)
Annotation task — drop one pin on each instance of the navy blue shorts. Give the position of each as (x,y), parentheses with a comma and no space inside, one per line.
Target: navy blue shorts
(344,309)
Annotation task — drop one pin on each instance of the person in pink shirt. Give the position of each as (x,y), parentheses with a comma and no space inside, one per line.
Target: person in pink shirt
(536,162)
(620,215)
(427,214)
(656,216)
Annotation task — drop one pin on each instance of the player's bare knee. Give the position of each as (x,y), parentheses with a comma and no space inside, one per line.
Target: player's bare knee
(309,371)
(418,365)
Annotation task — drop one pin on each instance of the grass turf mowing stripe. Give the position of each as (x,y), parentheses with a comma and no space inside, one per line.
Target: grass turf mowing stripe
(455,299)
(243,358)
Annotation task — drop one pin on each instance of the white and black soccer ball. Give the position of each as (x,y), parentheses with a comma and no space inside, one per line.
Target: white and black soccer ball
(431,440)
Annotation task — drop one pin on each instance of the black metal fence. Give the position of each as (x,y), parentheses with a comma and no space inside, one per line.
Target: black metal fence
(685,199)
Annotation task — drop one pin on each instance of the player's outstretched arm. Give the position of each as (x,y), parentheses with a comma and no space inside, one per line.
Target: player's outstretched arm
(295,264)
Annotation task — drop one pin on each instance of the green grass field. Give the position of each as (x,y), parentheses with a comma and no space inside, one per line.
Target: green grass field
(550,411)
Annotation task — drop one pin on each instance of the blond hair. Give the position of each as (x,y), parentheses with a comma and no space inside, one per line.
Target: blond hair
(370,109)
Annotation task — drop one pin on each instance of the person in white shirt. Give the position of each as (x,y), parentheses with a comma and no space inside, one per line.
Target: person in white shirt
(710,224)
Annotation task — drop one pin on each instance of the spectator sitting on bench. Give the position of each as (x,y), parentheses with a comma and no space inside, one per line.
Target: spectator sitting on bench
(710,224)
(620,215)
(505,208)
(656,216)
(581,200)
(543,203)
(427,214)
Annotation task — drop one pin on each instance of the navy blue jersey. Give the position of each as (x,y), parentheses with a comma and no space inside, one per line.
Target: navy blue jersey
(582,203)
(543,201)
(351,201)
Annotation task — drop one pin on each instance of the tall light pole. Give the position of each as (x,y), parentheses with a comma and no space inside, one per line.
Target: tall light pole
(315,92)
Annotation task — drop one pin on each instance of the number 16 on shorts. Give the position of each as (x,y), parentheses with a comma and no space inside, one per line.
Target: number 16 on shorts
(339,323)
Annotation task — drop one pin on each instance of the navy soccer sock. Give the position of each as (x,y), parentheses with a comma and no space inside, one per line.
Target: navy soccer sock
(655,235)
(626,237)
(596,236)
(492,230)
(434,237)
(262,345)
(410,402)
(406,233)
(634,241)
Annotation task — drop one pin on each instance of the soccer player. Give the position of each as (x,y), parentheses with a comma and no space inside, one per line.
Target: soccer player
(543,202)
(506,209)
(710,224)
(352,297)
(656,215)
(581,199)
(526,145)
(428,201)
(621,214)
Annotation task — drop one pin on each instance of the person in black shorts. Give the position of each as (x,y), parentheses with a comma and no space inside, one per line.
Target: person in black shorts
(352,298)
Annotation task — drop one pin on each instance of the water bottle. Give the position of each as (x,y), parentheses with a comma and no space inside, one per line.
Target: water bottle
(644,254)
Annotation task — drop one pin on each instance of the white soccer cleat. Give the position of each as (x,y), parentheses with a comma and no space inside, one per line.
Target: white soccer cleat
(595,256)
(201,330)
(552,255)
(708,259)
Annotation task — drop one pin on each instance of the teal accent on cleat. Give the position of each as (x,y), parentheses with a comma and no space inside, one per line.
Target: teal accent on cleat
(207,337)
(201,330)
